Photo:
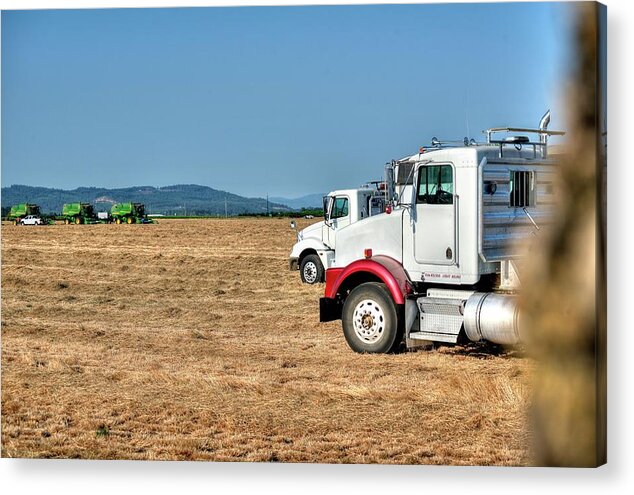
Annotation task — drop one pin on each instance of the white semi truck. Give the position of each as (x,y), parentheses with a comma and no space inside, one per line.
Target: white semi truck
(314,250)
(441,264)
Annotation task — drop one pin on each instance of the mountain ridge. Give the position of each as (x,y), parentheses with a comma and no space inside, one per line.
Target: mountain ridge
(306,201)
(177,199)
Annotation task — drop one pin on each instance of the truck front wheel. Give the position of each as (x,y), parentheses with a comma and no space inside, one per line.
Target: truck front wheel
(311,270)
(370,319)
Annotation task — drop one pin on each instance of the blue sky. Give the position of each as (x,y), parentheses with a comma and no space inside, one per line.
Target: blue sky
(281,101)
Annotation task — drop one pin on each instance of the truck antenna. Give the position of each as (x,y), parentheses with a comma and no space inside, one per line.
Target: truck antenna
(466,117)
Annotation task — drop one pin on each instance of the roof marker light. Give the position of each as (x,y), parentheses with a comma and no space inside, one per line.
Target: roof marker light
(367,253)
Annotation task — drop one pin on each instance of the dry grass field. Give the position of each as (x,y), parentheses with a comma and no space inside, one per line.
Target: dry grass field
(191,340)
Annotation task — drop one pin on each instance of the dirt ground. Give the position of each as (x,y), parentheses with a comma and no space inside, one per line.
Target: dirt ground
(191,340)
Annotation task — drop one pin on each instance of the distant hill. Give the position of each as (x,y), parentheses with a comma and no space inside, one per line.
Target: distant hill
(309,201)
(185,199)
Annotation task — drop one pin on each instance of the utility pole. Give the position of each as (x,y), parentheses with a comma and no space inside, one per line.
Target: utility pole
(226,207)
(267,205)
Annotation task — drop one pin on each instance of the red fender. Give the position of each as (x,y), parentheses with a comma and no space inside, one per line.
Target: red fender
(390,271)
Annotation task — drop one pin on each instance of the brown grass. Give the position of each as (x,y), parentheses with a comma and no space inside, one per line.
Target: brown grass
(191,339)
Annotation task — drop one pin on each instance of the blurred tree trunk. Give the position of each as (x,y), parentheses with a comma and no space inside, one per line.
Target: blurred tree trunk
(564,298)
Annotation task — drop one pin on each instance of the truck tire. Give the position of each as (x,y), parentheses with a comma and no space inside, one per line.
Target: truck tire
(311,270)
(130,220)
(15,222)
(77,220)
(118,221)
(66,221)
(370,319)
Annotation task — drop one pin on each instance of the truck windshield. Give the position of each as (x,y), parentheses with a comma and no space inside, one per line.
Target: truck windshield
(340,208)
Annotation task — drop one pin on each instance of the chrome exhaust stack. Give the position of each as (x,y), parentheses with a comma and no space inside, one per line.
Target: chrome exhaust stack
(543,137)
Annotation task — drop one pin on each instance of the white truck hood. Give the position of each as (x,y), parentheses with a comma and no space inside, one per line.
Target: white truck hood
(312,231)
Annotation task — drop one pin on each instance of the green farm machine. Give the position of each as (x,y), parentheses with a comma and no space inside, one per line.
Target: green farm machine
(18,212)
(129,213)
(79,213)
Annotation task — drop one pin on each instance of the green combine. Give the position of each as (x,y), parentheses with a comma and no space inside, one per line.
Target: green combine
(129,213)
(18,212)
(79,213)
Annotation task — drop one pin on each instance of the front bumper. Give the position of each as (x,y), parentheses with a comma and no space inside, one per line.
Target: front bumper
(293,263)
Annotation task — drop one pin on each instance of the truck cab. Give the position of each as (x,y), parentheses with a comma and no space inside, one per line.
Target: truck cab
(314,251)
(442,263)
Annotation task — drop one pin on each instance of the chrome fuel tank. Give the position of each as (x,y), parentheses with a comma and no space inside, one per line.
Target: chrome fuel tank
(492,317)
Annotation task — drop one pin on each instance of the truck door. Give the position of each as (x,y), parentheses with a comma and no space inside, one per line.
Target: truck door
(337,218)
(435,215)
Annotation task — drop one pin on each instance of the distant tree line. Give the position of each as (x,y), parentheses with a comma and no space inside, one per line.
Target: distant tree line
(315,212)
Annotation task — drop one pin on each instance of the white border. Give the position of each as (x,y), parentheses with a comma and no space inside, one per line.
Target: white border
(111,477)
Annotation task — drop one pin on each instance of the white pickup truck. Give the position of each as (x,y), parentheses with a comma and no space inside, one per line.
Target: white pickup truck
(31,220)
(314,250)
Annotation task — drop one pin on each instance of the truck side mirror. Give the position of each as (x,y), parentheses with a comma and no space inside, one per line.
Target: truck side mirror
(326,201)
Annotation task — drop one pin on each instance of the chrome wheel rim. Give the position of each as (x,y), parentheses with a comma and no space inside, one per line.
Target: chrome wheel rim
(310,272)
(368,321)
